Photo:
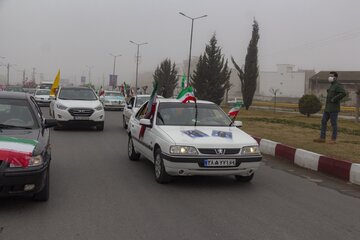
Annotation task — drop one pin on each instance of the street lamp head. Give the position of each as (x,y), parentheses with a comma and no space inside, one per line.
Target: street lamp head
(201,16)
(182,14)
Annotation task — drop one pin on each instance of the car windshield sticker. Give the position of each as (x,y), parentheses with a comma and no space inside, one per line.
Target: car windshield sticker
(195,133)
(222,134)
(16,151)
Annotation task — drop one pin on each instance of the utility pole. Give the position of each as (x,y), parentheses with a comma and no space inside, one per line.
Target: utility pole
(103,80)
(8,74)
(24,73)
(115,56)
(33,78)
(191,37)
(137,63)
(89,67)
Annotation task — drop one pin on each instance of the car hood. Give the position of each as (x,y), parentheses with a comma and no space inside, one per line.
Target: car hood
(33,134)
(209,137)
(79,103)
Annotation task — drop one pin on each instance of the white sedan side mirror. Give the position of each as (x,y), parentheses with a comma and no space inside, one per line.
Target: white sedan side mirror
(237,123)
(145,122)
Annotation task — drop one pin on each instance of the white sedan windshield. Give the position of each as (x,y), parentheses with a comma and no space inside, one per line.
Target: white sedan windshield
(185,114)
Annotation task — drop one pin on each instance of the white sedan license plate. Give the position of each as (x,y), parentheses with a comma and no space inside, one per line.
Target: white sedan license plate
(220,163)
(81,118)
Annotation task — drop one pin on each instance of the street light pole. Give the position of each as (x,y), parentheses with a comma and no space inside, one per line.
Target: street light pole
(8,73)
(191,37)
(115,56)
(137,63)
(89,67)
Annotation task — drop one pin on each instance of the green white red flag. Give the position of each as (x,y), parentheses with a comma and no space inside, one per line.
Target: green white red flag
(234,110)
(17,151)
(151,107)
(187,92)
(186,95)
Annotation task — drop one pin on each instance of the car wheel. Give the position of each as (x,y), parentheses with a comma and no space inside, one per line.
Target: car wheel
(100,127)
(124,123)
(240,178)
(133,156)
(161,176)
(44,194)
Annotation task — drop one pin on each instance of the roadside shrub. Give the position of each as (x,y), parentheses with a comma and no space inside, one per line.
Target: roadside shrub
(309,104)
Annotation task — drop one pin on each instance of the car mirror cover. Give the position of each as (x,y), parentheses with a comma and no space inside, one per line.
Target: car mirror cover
(50,123)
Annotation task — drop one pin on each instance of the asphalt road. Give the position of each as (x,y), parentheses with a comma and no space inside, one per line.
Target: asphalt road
(97,193)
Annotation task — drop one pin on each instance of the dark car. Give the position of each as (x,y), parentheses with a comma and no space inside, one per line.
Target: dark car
(25,151)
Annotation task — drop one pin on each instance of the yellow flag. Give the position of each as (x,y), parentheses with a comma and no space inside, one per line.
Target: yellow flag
(55,84)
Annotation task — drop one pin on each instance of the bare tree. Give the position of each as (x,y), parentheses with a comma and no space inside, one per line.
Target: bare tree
(274,92)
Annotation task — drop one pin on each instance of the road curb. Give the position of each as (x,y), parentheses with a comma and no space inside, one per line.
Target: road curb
(342,169)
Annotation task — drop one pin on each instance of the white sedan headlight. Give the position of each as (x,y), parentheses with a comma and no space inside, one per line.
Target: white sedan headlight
(186,150)
(33,162)
(60,106)
(250,150)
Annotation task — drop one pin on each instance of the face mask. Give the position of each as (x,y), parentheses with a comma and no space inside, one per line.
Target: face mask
(331,79)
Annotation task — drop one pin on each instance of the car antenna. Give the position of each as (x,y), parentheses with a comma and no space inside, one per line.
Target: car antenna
(196,112)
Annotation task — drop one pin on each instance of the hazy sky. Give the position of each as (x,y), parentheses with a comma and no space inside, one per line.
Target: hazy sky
(70,34)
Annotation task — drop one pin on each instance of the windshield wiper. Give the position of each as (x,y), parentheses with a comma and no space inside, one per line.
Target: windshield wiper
(5,126)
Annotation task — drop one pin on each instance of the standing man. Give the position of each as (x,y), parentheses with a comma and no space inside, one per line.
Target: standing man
(332,108)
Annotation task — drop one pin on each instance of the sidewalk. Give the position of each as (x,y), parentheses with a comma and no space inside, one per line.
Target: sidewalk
(338,168)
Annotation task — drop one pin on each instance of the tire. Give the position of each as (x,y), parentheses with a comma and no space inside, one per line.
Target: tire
(124,123)
(133,156)
(44,194)
(100,127)
(160,174)
(244,178)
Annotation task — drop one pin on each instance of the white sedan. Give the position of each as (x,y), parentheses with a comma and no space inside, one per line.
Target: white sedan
(184,140)
(132,106)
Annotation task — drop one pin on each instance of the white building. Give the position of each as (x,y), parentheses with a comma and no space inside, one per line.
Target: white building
(290,83)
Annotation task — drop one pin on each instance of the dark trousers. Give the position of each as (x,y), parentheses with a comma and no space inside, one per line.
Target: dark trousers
(333,116)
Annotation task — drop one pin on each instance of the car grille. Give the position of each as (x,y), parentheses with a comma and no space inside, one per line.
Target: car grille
(83,112)
(228,151)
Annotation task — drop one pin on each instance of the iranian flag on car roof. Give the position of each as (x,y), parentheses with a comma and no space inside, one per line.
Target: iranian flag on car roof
(151,106)
(17,151)
(187,93)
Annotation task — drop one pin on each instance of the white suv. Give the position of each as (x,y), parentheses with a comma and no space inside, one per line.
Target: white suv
(78,106)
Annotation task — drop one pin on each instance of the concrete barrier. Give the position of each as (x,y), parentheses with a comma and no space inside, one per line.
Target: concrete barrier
(337,168)
(268,147)
(355,173)
(307,159)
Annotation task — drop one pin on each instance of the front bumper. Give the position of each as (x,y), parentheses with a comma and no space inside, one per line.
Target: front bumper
(43,102)
(79,123)
(194,165)
(64,116)
(13,181)
(114,106)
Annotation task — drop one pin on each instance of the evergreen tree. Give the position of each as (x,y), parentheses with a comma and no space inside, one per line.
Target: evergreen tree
(249,75)
(166,76)
(212,74)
